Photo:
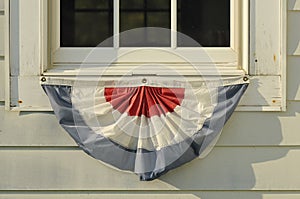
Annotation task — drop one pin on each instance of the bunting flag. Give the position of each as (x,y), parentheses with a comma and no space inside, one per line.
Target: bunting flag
(145,125)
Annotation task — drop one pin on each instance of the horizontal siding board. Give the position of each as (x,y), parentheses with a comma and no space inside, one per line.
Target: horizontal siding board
(31,129)
(158,195)
(293,80)
(263,129)
(243,129)
(294,4)
(226,168)
(293,33)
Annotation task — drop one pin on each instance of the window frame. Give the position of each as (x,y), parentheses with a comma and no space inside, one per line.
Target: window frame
(29,56)
(233,58)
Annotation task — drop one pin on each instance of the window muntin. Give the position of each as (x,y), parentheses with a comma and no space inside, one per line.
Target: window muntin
(145,13)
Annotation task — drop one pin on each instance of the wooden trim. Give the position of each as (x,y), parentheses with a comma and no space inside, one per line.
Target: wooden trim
(105,55)
(283,52)
(116,24)
(71,55)
(7,54)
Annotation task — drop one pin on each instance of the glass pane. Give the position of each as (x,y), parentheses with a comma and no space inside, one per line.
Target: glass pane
(86,23)
(89,33)
(145,13)
(155,19)
(131,4)
(91,4)
(159,5)
(132,19)
(207,22)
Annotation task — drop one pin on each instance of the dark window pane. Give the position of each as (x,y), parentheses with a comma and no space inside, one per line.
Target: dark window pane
(86,23)
(155,19)
(91,4)
(145,13)
(132,19)
(159,4)
(132,4)
(207,22)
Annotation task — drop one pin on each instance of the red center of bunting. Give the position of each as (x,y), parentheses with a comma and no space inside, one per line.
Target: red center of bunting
(144,100)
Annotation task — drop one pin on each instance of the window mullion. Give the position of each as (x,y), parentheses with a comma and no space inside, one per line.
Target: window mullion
(173,23)
(116,21)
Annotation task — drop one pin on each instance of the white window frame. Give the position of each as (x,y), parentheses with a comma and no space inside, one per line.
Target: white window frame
(231,58)
(29,55)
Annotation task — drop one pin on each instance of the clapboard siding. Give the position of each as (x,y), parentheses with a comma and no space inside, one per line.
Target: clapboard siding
(294,4)
(293,80)
(226,168)
(293,65)
(243,129)
(155,195)
(293,33)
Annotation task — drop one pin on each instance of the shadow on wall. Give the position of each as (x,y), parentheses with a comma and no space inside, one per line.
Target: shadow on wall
(292,30)
(248,139)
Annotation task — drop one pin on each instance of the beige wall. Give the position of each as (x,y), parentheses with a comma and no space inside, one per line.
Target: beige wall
(257,156)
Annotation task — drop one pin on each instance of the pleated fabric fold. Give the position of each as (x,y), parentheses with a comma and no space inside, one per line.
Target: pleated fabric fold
(147,129)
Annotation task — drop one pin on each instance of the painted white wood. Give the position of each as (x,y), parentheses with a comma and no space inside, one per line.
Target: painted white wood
(265,37)
(116,24)
(30,37)
(54,36)
(153,195)
(14,46)
(258,95)
(108,55)
(243,129)
(226,168)
(255,96)
(71,55)
(173,24)
(7,70)
(283,54)
(120,70)
(29,93)
(294,5)
(293,33)
(2,81)
(293,80)
(245,36)
(2,31)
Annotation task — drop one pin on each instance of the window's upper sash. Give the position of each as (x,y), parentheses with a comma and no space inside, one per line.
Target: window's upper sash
(219,31)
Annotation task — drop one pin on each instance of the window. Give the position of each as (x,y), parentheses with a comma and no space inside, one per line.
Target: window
(87,23)
(80,25)
(39,48)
